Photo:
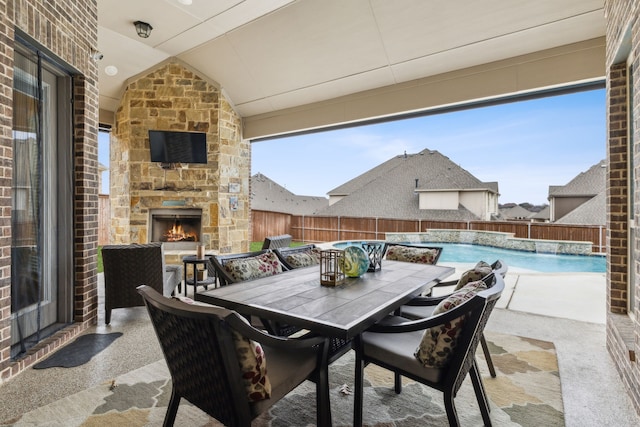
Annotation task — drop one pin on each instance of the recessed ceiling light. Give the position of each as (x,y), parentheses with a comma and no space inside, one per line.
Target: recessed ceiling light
(186,2)
(111,70)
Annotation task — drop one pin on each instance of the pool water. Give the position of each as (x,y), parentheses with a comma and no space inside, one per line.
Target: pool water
(548,263)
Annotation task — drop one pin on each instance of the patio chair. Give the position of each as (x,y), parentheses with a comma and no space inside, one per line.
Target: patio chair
(219,363)
(233,268)
(298,256)
(272,242)
(423,306)
(392,344)
(229,274)
(128,266)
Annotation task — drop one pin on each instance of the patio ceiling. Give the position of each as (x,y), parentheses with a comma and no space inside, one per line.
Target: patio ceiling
(276,58)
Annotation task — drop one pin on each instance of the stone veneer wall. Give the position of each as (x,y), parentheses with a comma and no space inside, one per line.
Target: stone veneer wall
(172,97)
(623,330)
(69,30)
(494,239)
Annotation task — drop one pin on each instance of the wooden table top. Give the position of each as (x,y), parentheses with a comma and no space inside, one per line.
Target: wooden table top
(296,297)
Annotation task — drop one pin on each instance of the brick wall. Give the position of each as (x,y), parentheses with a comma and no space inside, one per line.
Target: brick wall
(69,30)
(623,330)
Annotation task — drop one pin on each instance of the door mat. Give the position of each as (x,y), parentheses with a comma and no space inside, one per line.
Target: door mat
(79,351)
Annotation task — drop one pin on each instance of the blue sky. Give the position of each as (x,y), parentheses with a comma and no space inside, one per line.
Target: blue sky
(525,146)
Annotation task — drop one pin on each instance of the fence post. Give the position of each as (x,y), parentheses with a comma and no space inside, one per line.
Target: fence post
(529,231)
(600,238)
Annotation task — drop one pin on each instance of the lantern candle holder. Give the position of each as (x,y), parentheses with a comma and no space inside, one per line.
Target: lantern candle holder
(331,272)
(375,251)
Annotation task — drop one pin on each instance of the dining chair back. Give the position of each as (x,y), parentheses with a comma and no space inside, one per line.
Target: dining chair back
(205,348)
(225,265)
(298,256)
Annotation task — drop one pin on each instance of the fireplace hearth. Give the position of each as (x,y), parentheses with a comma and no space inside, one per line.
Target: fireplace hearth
(176,228)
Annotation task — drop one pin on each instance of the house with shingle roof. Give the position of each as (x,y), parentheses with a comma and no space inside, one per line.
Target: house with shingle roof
(267,195)
(582,200)
(425,185)
(516,212)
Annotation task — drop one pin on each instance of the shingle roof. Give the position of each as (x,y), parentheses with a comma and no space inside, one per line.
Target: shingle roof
(390,189)
(591,212)
(589,183)
(433,170)
(267,195)
(544,214)
(516,212)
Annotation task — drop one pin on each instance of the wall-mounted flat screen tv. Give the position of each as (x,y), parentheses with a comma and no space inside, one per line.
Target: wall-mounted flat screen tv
(178,147)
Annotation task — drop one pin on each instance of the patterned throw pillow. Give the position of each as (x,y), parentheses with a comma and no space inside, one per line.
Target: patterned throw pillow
(304,259)
(253,365)
(417,255)
(249,268)
(438,343)
(480,270)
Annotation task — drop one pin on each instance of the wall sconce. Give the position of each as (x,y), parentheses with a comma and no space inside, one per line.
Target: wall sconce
(143,29)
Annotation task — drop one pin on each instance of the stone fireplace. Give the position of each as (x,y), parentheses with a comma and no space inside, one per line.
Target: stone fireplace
(176,228)
(146,198)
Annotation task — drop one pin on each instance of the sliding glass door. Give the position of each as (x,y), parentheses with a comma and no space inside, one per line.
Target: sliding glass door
(40,300)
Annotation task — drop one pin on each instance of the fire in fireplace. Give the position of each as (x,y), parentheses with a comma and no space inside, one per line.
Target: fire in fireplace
(178,233)
(177,228)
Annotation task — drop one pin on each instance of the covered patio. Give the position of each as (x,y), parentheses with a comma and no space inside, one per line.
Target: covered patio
(246,71)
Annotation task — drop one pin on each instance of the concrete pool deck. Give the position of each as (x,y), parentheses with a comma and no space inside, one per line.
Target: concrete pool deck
(576,296)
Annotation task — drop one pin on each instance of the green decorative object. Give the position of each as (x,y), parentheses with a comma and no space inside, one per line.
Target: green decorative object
(356,261)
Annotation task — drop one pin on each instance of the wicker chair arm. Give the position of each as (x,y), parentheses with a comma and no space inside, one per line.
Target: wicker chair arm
(422,301)
(397,324)
(446,283)
(241,326)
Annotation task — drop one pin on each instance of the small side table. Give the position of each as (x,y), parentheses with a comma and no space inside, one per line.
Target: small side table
(195,261)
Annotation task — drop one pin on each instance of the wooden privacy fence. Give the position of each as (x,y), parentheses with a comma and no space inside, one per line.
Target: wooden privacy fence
(317,229)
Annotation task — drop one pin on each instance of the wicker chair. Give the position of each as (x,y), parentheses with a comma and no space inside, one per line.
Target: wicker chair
(392,344)
(129,266)
(272,242)
(337,346)
(219,261)
(201,355)
(423,306)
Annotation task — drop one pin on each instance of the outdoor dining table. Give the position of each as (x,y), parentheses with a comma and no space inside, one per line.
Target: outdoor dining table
(297,298)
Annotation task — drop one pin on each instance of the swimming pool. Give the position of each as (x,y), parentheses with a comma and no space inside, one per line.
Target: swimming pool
(549,263)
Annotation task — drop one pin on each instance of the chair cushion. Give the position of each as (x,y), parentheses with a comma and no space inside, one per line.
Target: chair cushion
(249,268)
(438,343)
(397,350)
(480,270)
(303,259)
(284,379)
(407,254)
